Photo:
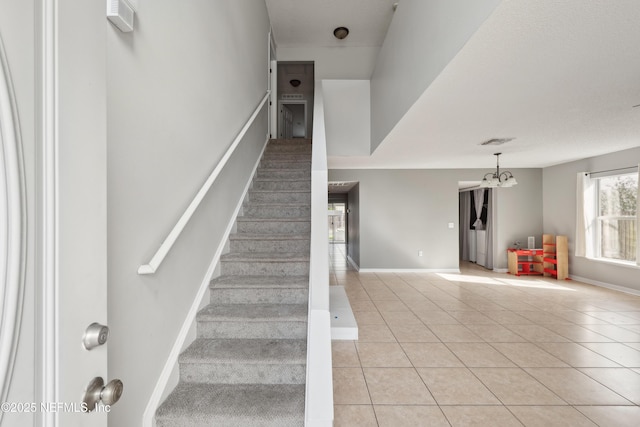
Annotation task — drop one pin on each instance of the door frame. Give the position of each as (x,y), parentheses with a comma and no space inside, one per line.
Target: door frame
(284,102)
(69,207)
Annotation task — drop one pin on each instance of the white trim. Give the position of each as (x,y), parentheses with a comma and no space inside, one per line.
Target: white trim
(319,380)
(172,359)
(409,270)
(353,263)
(13,225)
(500,270)
(47,374)
(606,285)
(614,263)
(168,242)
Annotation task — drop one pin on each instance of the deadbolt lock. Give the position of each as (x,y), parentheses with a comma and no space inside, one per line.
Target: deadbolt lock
(95,336)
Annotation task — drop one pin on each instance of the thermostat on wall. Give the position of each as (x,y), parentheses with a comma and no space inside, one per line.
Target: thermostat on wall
(120,14)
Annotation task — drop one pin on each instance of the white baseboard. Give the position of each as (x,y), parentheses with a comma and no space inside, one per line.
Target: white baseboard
(500,270)
(409,270)
(353,263)
(606,285)
(148,418)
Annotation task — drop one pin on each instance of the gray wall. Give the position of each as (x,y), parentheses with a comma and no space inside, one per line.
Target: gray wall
(404,211)
(560,215)
(353,224)
(422,39)
(17,31)
(518,213)
(180,88)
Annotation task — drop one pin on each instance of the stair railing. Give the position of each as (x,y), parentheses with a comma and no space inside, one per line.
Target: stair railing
(168,242)
(319,384)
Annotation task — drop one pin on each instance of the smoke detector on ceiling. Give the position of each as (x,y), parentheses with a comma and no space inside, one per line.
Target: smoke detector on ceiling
(497,141)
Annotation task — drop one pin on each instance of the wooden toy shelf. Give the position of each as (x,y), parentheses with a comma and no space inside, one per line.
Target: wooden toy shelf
(555,256)
(551,261)
(525,262)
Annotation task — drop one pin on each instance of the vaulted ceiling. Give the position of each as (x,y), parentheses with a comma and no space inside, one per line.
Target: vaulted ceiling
(561,77)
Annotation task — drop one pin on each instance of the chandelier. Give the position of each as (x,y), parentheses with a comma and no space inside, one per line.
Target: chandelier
(497,178)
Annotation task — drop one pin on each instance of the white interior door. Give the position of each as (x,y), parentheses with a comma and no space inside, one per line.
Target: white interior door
(72,213)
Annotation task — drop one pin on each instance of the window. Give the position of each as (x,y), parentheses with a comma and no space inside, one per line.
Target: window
(616,217)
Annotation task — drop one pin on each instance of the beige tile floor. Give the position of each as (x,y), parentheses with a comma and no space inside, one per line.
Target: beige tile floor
(485,349)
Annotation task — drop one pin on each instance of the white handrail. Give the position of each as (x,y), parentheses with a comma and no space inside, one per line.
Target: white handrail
(155,262)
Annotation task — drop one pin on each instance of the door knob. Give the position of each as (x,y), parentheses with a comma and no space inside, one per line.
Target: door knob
(95,335)
(96,391)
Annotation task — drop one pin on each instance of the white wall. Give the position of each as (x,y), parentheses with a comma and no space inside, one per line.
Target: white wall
(17,31)
(422,39)
(404,211)
(347,114)
(334,62)
(180,87)
(559,197)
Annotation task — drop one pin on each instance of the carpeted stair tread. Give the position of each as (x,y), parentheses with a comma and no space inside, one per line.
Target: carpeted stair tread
(259,219)
(275,236)
(283,205)
(281,191)
(266,257)
(290,282)
(253,312)
(246,351)
(233,405)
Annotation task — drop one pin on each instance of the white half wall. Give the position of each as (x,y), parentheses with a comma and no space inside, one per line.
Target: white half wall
(347,112)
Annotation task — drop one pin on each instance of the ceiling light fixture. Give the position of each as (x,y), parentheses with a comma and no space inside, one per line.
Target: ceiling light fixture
(497,178)
(341,33)
(294,82)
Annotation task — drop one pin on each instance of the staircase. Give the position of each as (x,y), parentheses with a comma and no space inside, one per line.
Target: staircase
(247,366)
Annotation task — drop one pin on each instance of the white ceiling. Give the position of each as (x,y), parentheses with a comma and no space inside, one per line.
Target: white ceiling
(299,23)
(561,77)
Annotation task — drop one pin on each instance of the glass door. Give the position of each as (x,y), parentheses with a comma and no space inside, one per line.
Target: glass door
(337,223)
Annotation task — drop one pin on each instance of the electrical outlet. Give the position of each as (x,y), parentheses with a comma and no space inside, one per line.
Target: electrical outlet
(419,253)
(451,225)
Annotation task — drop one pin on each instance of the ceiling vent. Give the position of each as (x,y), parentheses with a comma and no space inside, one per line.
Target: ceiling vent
(497,141)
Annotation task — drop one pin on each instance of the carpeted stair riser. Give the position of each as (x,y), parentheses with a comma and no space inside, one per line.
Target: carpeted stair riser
(260,290)
(256,243)
(238,361)
(260,296)
(290,157)
(265,184)
(283,173)
(278,210)
(272,225)
(282,321)
(285,329)
(285,164)
(233,374)
(267,268)
(273,196)
(245,405)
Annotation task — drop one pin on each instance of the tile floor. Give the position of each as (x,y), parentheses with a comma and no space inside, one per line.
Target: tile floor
(485,349)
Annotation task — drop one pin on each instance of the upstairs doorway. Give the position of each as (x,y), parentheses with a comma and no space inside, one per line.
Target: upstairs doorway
(295,88)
